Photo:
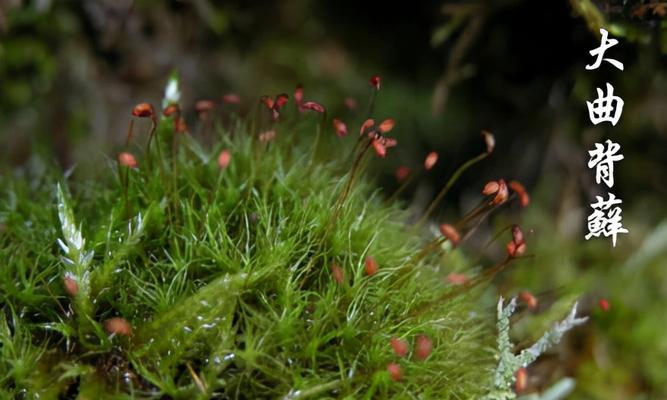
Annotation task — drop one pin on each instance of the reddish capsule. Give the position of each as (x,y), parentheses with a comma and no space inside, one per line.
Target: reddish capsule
(390,142)
(351,103)
(224,158)
(451,233)
(395,371)
(516,250)
(180,125)
(71,285)
(375,82)
(402,173)
(604,304)
(400,346)
(231,98)
(339,127)
(517,247)
(423,347)
(143,110)
(490,188)
(118,326)
(387,125)
(366,126)
(313,106)
(380,148)
(511,248)
(502,194)
(520,190)
(127,160)
(380,145)
(337,273)
(172,109)
(521,380)
(298,94)
(267,136)
(430,160)
(529,299)
(489,141)
(267,101)
(517,234)
(371,266)
(281,100)
(457,278)
(204,106)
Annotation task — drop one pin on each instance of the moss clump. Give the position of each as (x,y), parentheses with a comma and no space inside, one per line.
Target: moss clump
(180,278)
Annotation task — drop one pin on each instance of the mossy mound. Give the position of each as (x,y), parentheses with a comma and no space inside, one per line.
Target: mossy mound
(248,281)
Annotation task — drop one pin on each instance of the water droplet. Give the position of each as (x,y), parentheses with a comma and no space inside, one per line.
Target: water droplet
(293,394)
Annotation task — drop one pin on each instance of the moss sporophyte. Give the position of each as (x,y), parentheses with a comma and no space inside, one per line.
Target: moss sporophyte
(252,266)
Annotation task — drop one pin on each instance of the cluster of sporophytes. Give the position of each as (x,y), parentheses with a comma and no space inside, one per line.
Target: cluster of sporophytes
(248,261)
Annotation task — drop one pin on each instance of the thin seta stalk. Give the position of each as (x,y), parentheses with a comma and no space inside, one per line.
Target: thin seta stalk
(125,178)
(406,182)
(459,226)
(375,88)
(469,285)
(318,132)
(490,143)
(128,138)
(340,201)
(351,177)
(489,242)
(151,132)
(126,161)
(173,112)
(455,176)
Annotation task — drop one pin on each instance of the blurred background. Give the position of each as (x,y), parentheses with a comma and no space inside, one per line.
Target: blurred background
(71,70)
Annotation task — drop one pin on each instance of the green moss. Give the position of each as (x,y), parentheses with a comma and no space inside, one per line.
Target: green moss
(225,277)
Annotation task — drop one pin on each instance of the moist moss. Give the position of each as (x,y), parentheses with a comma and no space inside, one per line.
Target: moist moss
(225,277)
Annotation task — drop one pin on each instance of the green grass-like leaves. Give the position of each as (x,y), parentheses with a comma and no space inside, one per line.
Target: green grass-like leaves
(225,276)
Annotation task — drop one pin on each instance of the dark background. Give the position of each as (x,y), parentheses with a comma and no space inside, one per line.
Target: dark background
(71,69)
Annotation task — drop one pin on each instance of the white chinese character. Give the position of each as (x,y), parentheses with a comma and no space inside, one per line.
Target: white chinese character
(599,52)
(605,220)
(605,108)
(603,161)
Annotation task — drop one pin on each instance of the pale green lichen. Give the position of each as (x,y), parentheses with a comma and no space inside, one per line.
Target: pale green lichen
(508,362)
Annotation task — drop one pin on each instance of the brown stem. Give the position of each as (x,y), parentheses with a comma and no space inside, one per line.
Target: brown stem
(159,159)
(124,181)
(447,186)
(428,247)
(371,103)
(351,177)
(489,242)
(486,275)
(401,188)
(150,134)
(346,190)
(320,127)
(129,133)
(479,209)
(369,112)
(174,167)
